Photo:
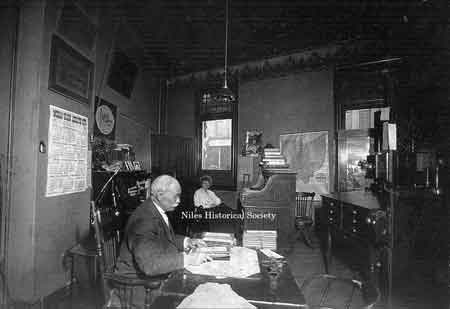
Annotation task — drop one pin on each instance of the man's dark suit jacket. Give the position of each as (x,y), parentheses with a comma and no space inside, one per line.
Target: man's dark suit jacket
(149,246)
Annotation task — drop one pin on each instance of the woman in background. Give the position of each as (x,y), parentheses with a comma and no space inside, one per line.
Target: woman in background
(206,200)
(204,197)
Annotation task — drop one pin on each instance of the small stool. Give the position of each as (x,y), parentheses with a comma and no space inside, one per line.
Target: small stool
(327,291)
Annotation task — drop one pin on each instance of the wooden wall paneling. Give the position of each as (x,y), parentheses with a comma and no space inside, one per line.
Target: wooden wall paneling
(173,154)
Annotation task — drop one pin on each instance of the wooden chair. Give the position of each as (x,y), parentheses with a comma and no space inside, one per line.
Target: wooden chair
(107,251)
(304,215)
(324,291)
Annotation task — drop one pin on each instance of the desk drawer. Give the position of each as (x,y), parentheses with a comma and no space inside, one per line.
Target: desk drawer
(354,220)
(332,210)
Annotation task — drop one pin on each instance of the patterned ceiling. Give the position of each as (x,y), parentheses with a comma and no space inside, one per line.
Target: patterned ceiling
(184,36)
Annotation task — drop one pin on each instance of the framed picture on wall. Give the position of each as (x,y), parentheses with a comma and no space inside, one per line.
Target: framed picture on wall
(122,74)
(105,119)
(71,74)
(253,142)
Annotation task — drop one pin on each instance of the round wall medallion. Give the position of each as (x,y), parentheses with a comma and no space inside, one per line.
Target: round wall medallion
(104,118)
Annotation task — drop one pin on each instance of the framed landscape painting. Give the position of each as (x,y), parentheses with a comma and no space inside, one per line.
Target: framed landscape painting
(71,74)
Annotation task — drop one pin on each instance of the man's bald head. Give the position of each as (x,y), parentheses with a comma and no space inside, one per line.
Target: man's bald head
(166,192)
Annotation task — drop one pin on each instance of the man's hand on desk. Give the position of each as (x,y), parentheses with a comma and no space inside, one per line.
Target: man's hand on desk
(196,259)
(191,243)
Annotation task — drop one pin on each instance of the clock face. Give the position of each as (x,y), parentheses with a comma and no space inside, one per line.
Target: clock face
(105,119)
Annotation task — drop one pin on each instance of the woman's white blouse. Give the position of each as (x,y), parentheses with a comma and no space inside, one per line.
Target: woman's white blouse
(206,198)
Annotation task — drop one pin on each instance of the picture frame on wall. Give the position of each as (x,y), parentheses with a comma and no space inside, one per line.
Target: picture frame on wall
(105,116)
(253,142)
(122,74)
(71,73)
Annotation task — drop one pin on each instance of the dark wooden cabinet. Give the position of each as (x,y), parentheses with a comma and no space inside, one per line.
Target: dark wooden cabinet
(357,220)
(332,210)
(116,203)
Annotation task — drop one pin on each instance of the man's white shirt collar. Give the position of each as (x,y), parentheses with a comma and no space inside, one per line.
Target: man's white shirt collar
(166,219)
(162,212)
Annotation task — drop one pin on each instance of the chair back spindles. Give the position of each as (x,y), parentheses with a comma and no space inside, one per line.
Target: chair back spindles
(304,203)
(107,241)
(98,237)
(108,244)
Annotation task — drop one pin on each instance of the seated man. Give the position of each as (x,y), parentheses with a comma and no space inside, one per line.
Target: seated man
(150,246)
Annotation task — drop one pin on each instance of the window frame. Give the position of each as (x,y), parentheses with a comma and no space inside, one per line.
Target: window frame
(222,179)
(376,75)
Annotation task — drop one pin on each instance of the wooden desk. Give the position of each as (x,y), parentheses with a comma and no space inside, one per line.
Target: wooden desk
(262,290)
(358,218)
(277,196)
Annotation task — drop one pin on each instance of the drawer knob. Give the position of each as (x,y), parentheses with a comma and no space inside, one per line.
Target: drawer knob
(354,230)
(354,212)
(354,221)
(332,204)
(331,211)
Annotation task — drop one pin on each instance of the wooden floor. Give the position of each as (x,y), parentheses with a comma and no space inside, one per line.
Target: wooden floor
(414,291)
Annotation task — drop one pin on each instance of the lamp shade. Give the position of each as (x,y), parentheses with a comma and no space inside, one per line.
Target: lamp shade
(224,94)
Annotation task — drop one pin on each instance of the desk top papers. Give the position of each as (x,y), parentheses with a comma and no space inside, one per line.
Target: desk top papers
(269,253)
(214,295)
(258,239)
(242,264)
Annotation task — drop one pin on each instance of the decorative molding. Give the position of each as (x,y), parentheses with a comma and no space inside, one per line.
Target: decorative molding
(313,59)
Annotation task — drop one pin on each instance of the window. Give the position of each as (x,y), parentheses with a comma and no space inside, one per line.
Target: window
(216,144)
(217,136)
(363,118)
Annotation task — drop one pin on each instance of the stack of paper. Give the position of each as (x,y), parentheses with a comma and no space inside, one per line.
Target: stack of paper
(218,239)
(215,252)
(274,158)
(213,269)
(244,262)
(214,295)
(259,239)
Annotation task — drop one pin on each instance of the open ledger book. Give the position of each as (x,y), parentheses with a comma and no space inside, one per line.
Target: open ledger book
(214,295)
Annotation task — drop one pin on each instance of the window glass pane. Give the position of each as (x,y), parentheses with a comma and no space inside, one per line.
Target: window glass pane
(216,144)
(363,118)
(355,152)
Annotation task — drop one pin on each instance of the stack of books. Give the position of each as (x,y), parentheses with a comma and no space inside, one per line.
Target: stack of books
(218,244)
(219,239)
(274,159)
(260,239)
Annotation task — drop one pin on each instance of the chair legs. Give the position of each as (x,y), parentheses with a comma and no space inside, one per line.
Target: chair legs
(148,298)
(306,234)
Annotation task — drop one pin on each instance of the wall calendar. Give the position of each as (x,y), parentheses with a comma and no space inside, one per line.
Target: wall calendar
(67,152)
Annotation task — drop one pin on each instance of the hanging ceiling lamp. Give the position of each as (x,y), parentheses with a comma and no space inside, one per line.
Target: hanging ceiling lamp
(224,94)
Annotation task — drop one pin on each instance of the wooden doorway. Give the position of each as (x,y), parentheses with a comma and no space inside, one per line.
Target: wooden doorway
(8,36)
